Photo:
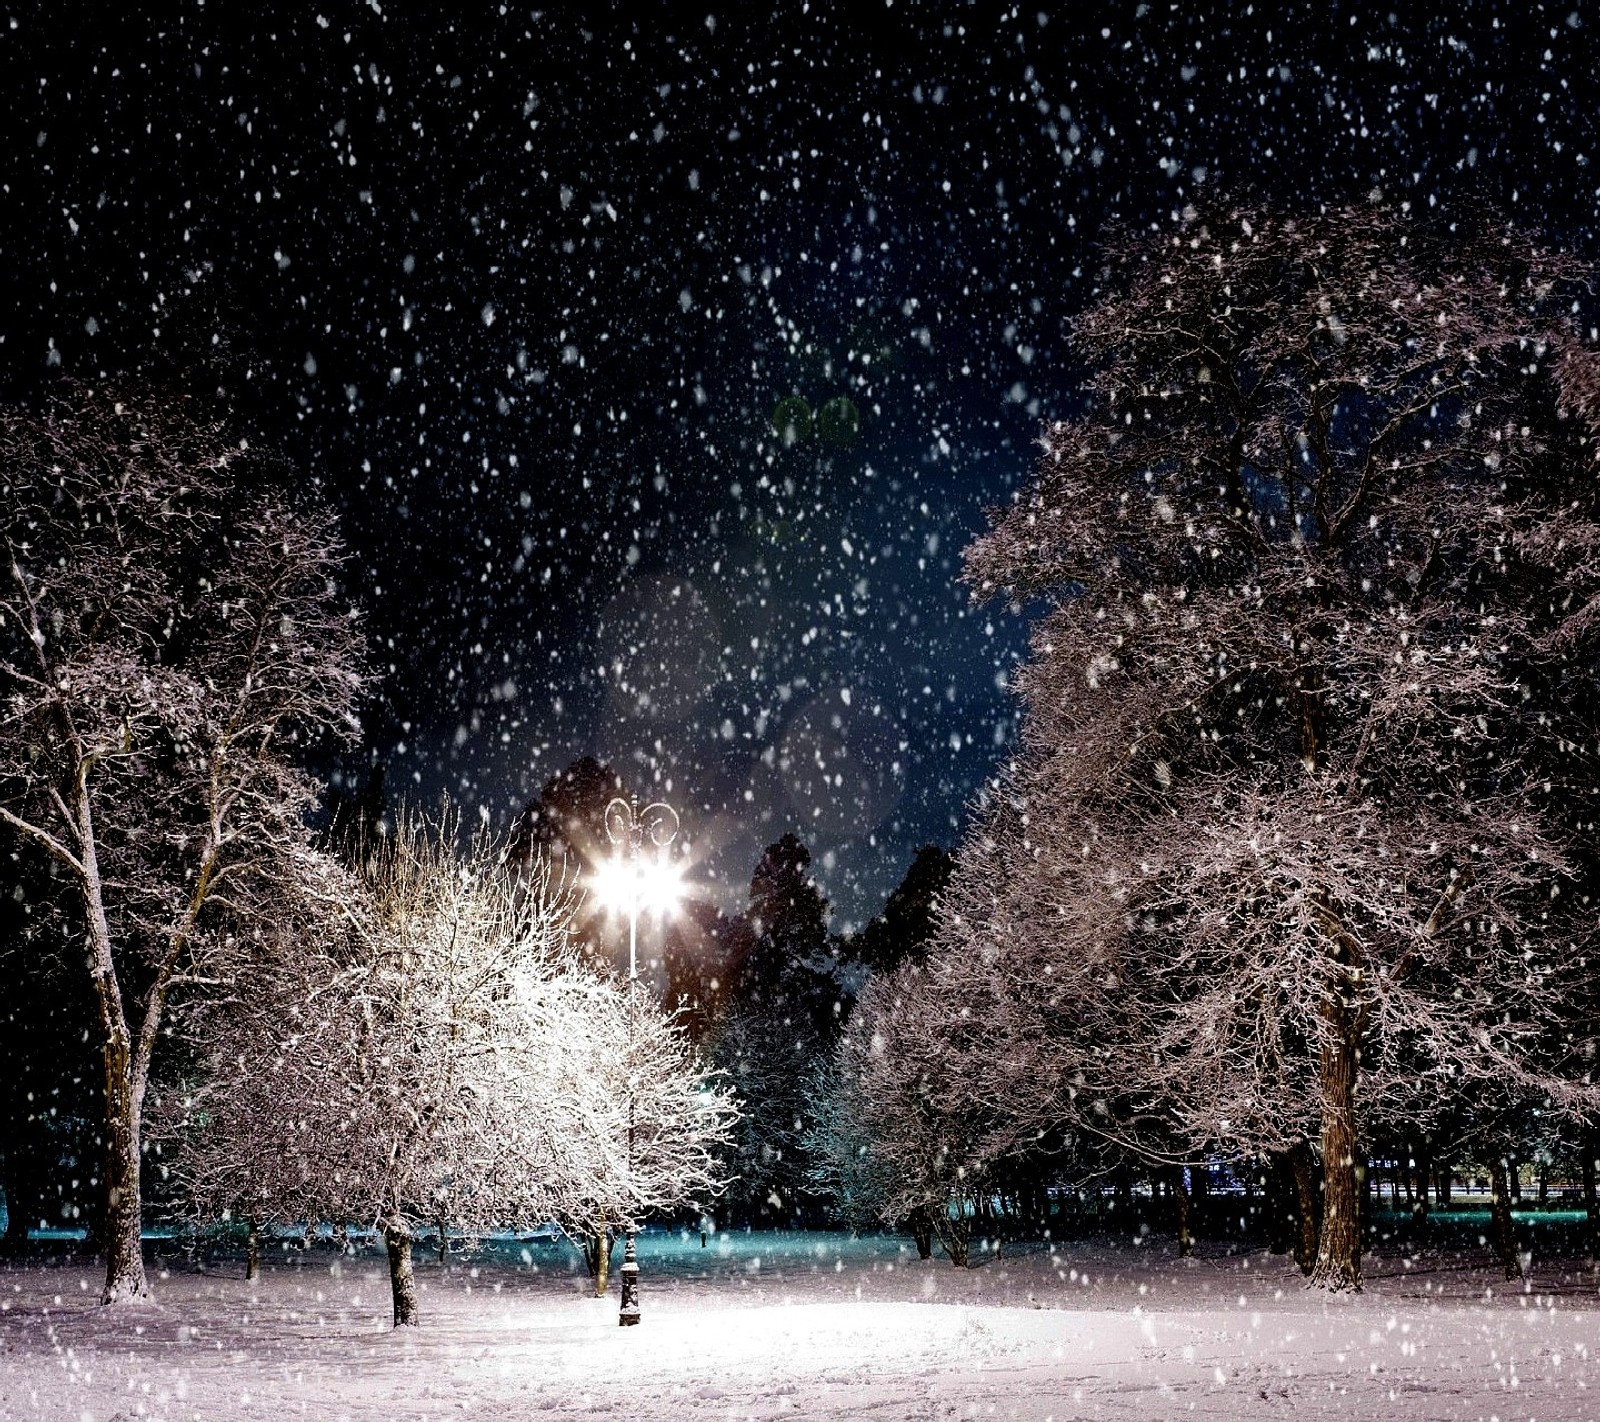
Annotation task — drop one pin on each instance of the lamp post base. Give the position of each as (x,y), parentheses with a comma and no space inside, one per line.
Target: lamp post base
(630,1285)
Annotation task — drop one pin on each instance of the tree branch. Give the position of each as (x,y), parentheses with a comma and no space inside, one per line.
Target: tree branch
(44,837)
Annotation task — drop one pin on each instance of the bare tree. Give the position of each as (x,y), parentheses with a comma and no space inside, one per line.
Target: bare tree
(845,1169)
(910,1133)
(219,1127)
(446,1057)
(658,1136)
(1318,558)
(171,633)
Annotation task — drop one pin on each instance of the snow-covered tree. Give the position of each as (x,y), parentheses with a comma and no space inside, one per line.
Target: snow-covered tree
(171,633)
(768,1061)
(224,1128)
(787,968)
(842,1166)
(662,1141)
(907,1133)
(1292,825)
(446,1058)
(381,1074)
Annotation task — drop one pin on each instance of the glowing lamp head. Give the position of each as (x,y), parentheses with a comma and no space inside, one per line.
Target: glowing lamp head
(638,885)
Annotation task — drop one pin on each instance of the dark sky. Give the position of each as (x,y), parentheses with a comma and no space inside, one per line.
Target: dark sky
(662,367)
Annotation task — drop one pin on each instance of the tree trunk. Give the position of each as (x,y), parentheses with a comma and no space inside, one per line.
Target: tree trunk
(953,1225)
(252,1249)
(957,1242)
(125,1276)
(1180,1195)
(444,1241)
(922,1231)
(402,1279)
(597,1246)
(1443,1178)
(124,1216)
(1505,1234)
(1338,1263)
(602,1260)
(1307,1208)
(1514,1179)
(1587,1145)
(1422,1164)
(1544,1181)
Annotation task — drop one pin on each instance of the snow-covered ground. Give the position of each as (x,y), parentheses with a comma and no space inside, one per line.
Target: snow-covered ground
(810,1326)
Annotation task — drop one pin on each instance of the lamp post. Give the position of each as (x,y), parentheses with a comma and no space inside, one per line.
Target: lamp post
(628,825)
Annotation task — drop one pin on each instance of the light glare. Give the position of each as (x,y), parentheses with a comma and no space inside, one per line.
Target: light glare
(639,886)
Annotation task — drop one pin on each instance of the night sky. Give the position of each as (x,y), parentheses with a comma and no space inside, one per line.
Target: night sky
(662,367)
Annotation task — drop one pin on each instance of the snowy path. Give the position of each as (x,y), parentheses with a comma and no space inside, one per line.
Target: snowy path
(810,1326)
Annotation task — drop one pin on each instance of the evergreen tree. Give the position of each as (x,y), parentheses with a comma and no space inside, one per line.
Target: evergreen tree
(568,820)
(905,927)
(785,1008)
(787,967)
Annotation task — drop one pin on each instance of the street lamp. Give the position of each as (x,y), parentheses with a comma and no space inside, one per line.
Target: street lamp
(630,882)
